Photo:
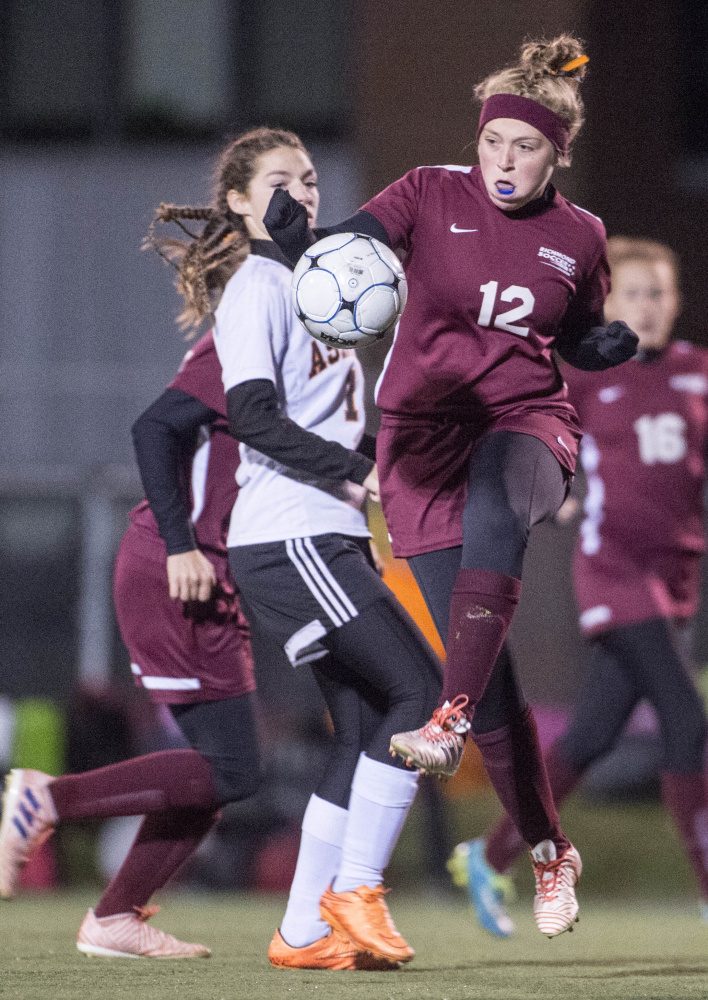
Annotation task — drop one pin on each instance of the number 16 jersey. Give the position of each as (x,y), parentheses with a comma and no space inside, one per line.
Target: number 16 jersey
(639,547)
(646,428)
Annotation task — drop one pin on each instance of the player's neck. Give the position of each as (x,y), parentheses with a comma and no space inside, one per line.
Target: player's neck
(535,207)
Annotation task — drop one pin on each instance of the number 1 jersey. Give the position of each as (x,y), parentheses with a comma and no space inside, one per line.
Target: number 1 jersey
(258,336)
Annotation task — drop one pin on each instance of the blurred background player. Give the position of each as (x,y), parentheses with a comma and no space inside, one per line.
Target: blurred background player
(295,549)
(478,440)
(636,567)
(189,646)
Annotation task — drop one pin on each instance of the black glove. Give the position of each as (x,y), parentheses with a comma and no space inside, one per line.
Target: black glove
(286,222)
(600,348)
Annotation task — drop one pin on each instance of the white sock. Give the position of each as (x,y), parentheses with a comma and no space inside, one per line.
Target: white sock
(378,806)
(318,861)
(544,851)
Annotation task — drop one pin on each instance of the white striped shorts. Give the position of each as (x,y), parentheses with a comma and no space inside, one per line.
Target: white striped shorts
(298,590)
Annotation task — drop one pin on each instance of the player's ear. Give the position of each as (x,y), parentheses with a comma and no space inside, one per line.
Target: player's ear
(238,203)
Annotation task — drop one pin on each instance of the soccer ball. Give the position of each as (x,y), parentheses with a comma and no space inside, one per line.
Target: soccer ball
(348,290)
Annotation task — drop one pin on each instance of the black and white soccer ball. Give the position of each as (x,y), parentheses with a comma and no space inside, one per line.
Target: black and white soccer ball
(349,290)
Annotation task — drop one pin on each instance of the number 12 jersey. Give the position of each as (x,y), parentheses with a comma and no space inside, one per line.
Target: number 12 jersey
(488,292)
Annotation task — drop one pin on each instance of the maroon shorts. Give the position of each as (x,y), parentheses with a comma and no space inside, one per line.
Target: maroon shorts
(180,651)
(424,466)
(615,588)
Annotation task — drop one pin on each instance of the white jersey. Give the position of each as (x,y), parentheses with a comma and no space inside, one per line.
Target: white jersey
(258,336)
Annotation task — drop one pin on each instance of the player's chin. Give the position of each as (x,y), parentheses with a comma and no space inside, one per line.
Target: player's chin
(507,203)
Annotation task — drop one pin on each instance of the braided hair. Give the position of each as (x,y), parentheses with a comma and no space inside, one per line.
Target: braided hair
(205,259)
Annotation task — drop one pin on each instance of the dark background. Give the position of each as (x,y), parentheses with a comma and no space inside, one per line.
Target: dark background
(106,108)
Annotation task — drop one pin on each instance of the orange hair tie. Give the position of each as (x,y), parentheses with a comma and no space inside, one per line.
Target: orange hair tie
(569,67)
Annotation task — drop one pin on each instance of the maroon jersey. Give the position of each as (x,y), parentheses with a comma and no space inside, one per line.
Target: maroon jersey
(180,651)
(646,430)
(200,650)
(487,293)
(212,471)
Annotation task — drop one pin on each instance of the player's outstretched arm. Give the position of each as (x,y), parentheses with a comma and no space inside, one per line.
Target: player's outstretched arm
(599,348)
(286,222)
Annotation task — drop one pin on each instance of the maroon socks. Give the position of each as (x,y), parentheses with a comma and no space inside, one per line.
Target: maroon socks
(686,798)
(149,784)
(176,791)
(505,843)
(513,760)
(482,606)
(164,842)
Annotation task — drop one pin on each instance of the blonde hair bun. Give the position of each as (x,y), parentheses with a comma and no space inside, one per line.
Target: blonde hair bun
(542,58)
(534,76)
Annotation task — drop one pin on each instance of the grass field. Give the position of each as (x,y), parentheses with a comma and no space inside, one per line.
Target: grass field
(622,951)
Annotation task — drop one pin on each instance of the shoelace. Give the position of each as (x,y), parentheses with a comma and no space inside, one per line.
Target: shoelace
(547,886)
(145,912)
(445,718)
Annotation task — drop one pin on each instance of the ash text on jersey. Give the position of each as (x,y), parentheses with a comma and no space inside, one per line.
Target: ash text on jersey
(258,336)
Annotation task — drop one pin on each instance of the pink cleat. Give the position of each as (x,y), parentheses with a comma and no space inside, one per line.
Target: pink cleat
(127,935)
(28,819)
(555,906)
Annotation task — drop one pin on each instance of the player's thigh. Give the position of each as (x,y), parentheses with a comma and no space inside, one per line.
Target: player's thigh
(300,590)
(224,732)
(355,718)
(515,481)
(356,708)
(385,648)
(436,573)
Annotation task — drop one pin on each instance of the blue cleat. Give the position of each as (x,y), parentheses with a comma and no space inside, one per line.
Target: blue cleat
(488,891)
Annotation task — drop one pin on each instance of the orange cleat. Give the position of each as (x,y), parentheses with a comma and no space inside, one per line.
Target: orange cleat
(335,951)
(364,917)
(127,935)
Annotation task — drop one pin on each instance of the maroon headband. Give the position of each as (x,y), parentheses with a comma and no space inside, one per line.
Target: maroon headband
(524,109)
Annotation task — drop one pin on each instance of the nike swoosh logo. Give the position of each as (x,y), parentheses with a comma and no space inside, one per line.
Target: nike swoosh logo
(454,229)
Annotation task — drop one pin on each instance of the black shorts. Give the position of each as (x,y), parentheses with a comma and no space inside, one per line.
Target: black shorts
(298,590)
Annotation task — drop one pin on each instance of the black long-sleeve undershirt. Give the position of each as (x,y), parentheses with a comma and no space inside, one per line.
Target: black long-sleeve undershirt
(255,419)
(165,438)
